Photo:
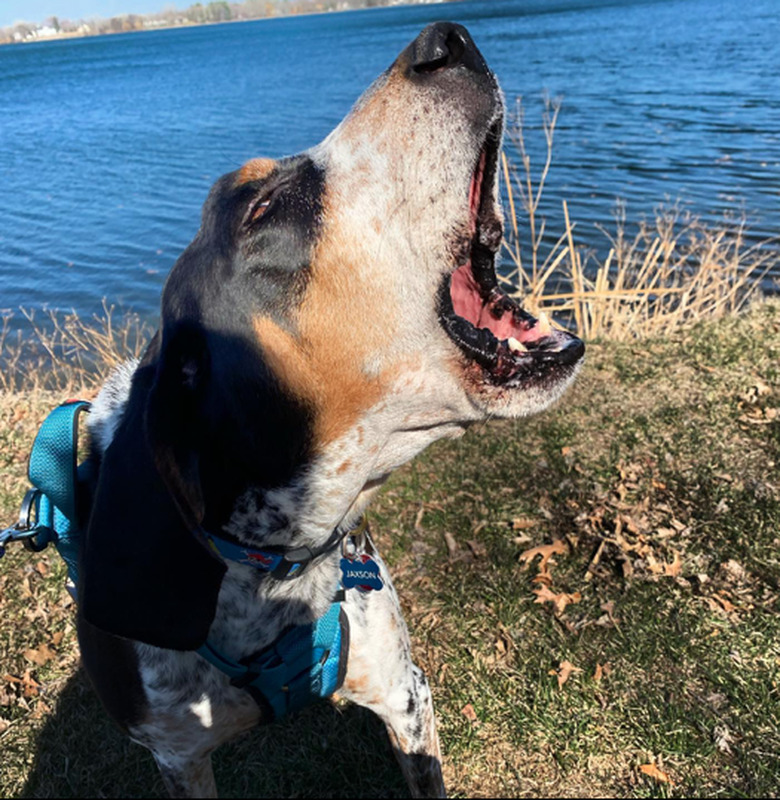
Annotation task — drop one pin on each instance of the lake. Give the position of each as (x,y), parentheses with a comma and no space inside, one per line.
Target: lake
(108,146)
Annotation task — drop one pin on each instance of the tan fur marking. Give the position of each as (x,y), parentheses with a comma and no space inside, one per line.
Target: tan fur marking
(319,372)
(357,685)
(255,170)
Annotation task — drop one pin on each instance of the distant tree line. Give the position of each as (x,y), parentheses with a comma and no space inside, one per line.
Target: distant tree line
(196,14)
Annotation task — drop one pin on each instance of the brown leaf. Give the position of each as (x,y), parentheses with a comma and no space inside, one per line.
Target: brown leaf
(652,771)
(543,577)
(469,713)
(40,655)
(609,607)
(477,548)
(452,545)
(559,601)
(40,710)
(675,568)
(723,602)
(518,524)
(29,685)
(599,672)
(565,669)
(57,638)
(546,551)
(42,569)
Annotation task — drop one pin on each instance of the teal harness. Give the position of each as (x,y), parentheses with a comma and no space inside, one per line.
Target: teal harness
(305,663)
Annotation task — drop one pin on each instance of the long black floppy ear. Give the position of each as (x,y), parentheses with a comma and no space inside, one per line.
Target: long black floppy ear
(144,574)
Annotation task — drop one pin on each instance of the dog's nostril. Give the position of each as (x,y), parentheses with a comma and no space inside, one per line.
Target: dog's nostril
(438,47)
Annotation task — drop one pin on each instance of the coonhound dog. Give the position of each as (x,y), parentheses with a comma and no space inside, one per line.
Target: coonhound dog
(337,311)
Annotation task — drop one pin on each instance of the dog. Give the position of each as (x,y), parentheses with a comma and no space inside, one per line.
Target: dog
(337,312)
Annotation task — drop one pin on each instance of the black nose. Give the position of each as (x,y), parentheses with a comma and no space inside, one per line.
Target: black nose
(444,45)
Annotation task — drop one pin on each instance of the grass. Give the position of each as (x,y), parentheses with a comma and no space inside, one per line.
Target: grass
(662,460)
(636,655)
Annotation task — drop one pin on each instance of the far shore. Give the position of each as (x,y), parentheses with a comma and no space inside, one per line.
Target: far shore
(191,24)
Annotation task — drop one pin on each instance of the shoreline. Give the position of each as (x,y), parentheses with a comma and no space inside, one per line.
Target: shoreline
(97,35)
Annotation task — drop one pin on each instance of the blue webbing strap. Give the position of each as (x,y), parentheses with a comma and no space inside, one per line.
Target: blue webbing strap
(50,513)
(302,665)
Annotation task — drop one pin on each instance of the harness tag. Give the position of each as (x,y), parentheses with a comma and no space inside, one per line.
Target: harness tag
(360,572)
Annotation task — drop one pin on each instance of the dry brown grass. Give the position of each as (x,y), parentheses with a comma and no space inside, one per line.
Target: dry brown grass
(675,271)
(65,353)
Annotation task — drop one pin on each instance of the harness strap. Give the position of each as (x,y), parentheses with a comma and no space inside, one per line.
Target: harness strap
(305,663)
(49,511)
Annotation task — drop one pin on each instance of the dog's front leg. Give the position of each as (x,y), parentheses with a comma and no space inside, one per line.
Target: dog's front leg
(186,776)
(382,676)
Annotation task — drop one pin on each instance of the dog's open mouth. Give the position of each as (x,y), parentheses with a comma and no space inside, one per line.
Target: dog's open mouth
(489,327)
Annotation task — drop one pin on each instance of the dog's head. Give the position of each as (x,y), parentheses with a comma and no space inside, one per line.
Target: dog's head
(341,306)
(370,259)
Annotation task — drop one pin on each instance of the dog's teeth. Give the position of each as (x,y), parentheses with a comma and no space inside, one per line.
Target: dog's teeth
(545,329)
(515,346)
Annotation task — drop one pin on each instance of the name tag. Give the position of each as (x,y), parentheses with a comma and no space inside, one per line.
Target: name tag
(360,572)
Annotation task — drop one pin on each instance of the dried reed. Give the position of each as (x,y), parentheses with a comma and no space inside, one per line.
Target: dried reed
(674,272)
(64,353)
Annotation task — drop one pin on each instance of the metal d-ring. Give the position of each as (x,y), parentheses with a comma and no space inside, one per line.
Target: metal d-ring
(33,536)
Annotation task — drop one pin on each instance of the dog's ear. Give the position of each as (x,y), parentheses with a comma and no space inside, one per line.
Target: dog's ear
(173,423)
(144,574)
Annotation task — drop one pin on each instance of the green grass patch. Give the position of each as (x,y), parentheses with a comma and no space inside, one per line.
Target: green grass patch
(657,473)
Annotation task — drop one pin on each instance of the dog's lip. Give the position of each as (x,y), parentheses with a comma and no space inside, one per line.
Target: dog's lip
(496,332)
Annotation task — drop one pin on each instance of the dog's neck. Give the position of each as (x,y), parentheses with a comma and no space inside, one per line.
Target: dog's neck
(337,485)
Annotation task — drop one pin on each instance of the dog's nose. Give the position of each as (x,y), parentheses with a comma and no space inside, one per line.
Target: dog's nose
(444,45)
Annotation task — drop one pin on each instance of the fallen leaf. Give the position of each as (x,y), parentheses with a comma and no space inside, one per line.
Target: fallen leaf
(599,672)
(39,655)
(518,524)
(29,685)
(722,738)
(652,771)
(732,570)
(675,568)
(559,601)
(469,713)
(40,710)
(543,577)
(755,391)
(57,638)
(546,551)
(477,548)
(452,545)
(723,603)
(565,669)
(42,569)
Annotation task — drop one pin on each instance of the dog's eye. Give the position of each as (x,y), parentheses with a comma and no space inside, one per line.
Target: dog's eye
(257,210)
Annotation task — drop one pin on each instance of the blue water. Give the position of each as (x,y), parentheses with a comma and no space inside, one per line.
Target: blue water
(108,146)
